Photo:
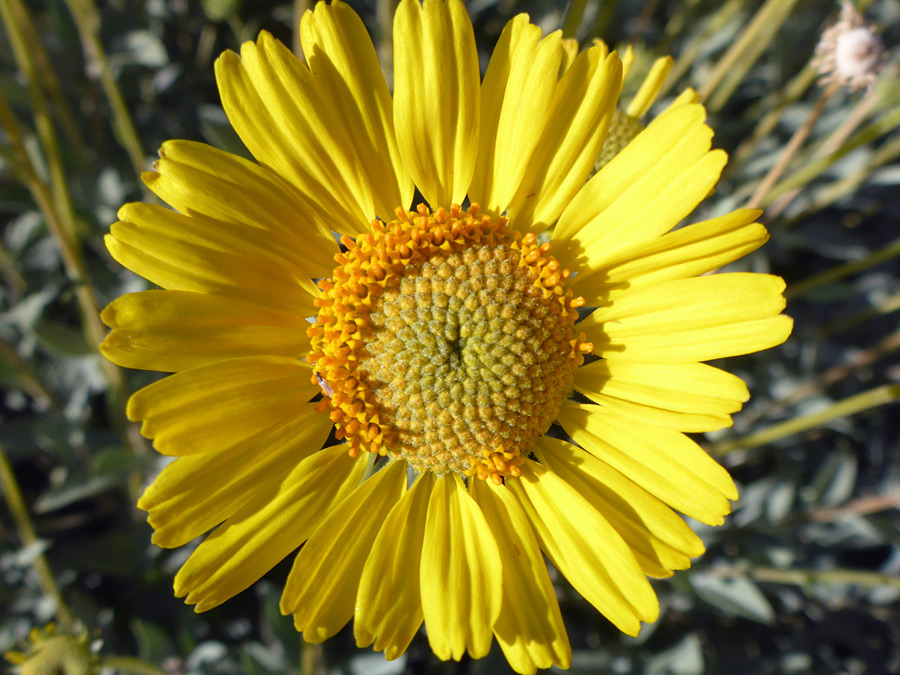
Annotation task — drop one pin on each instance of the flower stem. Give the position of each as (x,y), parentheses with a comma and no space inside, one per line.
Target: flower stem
(20,515)
(849,406)
(892,250)
(791,149)
(574,14)
(745,50)
(806,577)
(130,664)
(88,21)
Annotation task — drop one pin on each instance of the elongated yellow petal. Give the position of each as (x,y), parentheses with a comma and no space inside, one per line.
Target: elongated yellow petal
(212,185)
(578,119)
(275,105)
(345,68)
(688,251)
(267,528)
(586,548)
(321,587)
(461,577)
(643,192)
(178,330)
(194,494)
(684,396)
(674,322)
(388,602)
(515,104)
(214,406)
(191,254)
(650,87)
(529,629)
(436,97)
(666,463)
(660,540)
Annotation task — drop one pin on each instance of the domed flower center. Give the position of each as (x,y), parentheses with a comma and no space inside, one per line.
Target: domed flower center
(447,339)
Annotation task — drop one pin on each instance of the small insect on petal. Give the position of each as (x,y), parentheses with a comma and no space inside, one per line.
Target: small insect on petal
(323,385)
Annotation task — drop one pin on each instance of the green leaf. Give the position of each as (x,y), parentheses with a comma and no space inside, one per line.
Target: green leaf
(737,596)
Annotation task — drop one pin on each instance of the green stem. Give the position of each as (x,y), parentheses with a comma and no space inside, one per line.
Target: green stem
(806,577)
(87,20)
(574,14)
(743,53)
(20,515)
(839,272)
(775,104)
(714,25)
(42,121)
(48,76)
(130,664)
(762,191)
(885,124)
(300,8)
(849,406)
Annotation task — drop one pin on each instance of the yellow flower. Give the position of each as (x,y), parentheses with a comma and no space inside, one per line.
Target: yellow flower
(49,651)
(446,340)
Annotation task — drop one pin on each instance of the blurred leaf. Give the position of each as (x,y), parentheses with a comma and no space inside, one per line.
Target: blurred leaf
(737,596)
(140,47)
(62,338)
(834,482)
(685,658)
(154,643)
(73,489)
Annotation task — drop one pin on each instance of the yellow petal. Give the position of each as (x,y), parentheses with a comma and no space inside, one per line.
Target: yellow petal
(529,629)
(650,87)
(666,463)
(578,119)
(178,330)
(345,68)
(643,192)
(388,602)
(267,528)
(220,188)
(194,494)
(283,118)
(215,406)
(189,254)
(436,97)
(585,548)
(688,251)
(461,576)
(660,540)
(322,585)
(515,104)
(683,396)
(676,321)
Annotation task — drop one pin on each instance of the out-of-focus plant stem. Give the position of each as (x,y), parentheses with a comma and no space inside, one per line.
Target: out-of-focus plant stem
(839,272)
(574,15)
(785,191)
(130,664)
(43,122)
(744,52)
(311,660)
(88,22)
(716,23)
(70,251)
(776,104)
(849,406)
(48,76)
(806,577)
(26,376)
(19,511)
(797,140)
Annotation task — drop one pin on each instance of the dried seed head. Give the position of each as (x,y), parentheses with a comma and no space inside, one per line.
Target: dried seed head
(849,53)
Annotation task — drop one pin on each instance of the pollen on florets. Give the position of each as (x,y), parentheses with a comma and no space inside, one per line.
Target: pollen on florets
(446,338)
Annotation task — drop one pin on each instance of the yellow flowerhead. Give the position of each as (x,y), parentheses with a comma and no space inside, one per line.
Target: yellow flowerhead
(385,402)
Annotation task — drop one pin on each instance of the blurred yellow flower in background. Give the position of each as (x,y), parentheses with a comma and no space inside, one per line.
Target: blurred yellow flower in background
(440,345)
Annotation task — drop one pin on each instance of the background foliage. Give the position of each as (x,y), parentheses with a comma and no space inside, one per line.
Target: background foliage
(803,578)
